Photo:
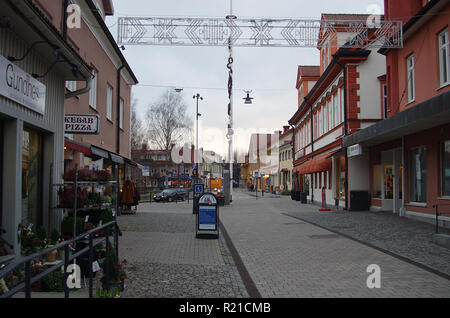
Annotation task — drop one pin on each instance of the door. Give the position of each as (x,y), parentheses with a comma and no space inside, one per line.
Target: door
(388,188)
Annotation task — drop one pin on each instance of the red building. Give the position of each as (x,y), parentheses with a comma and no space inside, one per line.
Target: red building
(336,98)
(409,151)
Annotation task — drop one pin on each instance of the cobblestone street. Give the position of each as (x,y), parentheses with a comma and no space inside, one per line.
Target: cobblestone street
(287,250)
(164,259)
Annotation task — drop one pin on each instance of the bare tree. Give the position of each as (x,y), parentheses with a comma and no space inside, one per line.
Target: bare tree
(137,135)
(168,123)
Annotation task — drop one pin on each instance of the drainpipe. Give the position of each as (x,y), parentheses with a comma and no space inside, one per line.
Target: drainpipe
(312,145)
(345,128)
(118,109)
(64,20)
(81,91)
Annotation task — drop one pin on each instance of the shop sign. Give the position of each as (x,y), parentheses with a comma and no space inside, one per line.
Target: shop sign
(146,171)
(81,124)
(355,150)
(21,87)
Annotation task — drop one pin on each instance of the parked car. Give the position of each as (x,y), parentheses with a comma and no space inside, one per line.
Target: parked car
(182,193)
(169,195)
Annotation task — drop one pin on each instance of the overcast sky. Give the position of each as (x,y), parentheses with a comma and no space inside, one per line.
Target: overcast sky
(269,72)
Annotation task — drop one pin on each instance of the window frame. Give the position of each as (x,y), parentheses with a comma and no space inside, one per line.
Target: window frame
(109,102)
(93,90)
(410,76)
(446,46)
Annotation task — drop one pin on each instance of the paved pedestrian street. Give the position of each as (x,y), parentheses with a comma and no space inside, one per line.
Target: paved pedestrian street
(164,259)
(283,253)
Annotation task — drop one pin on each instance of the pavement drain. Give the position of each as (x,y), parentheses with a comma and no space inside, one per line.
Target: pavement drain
(324,236)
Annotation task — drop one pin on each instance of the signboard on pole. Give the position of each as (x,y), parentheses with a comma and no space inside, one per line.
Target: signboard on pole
(81,124)
(146,171)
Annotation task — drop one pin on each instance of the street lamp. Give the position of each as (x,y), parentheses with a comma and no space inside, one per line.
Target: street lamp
(248,99)
(196,134)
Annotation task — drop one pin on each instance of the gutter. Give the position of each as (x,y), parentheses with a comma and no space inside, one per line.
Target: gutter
(82,91)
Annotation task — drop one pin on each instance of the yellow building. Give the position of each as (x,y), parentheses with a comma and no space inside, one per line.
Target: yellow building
(285,166)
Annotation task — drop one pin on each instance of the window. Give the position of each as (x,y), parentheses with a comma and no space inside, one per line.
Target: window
(336,110)
(330,115)
(121,114)
(418,175)
(109,101)
(31,178)
(445,169)
(93,90)
(410,74)
(444,58)
(71,85)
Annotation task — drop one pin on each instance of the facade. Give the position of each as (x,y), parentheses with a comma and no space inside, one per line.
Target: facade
(162,171)
(408,152)
(108,97)
(32,97)
(285,169)
(336,98)
(211,169)
(263,160)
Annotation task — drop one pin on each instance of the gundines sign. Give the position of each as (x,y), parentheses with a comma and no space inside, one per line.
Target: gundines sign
(81,124)
(21,87)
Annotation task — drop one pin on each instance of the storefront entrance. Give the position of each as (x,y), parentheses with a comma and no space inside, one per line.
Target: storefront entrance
(391,180)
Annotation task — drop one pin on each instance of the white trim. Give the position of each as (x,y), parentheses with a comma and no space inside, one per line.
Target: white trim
(417,204)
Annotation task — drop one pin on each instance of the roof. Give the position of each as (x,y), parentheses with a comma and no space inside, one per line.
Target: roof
(309,70)
(110,37)
(345,16)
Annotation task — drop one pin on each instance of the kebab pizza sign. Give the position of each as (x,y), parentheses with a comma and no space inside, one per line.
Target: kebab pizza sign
(81,124)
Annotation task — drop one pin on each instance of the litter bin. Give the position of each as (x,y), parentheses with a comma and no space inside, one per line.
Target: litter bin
(359,201)
(303,197)
(297,195)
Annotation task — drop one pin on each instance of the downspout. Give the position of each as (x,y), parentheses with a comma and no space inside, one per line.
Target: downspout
(81,91)
(293,156)
(64,20)
(118,109)
(345,128)
(312,145)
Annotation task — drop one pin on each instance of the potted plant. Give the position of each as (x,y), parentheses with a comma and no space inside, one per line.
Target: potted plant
(117,274)
(102,293)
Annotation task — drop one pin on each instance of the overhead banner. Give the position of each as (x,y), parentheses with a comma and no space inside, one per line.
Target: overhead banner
(21,87)
(81,124)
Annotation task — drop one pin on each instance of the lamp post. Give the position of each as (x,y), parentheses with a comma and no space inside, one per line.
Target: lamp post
(196,135)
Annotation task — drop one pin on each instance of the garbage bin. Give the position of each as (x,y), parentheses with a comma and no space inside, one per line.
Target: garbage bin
(297,195)
(359,201)
(303,197)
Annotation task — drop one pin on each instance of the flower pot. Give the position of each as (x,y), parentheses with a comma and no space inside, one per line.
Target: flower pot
(113,285)
(51,257)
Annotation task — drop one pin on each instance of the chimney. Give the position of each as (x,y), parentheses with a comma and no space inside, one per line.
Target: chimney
(285,129)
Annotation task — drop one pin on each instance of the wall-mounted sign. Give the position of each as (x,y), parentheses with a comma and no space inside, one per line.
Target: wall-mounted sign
(81,124)
(355,150)
(146,171)
(21,87)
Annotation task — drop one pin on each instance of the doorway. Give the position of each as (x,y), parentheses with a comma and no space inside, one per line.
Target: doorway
(392,180)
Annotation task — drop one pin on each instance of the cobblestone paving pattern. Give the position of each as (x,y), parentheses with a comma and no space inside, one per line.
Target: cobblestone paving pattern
(165,260)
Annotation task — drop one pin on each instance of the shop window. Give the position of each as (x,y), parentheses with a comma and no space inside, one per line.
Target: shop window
(340,178)
(445,168)
(418,175)
(376,182)
(31,178)
(388,182)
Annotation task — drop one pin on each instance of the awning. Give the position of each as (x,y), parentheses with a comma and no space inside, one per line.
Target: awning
(335,152)
(116,158)
(70,144)
(99,152)
(428,114)
(318,164)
